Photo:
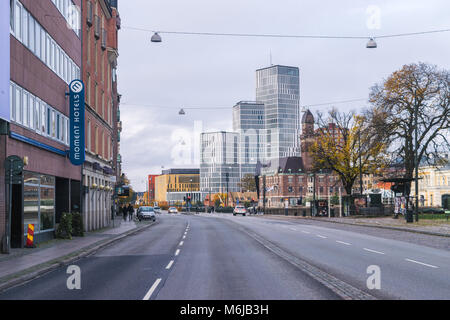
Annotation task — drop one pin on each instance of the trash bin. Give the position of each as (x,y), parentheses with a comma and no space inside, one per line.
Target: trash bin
(409,216)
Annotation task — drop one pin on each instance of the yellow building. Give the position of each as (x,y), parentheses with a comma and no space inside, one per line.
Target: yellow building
(175,184)
(433,185)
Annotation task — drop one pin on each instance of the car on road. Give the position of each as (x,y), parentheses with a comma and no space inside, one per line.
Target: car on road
(239,209)
(173,210)
(157,209)
(146,213)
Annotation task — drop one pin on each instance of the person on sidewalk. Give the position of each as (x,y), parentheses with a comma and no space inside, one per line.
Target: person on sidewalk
(130,212)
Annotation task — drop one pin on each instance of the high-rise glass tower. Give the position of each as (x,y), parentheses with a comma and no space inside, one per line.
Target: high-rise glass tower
(219,162)
(278,87)
(249,123)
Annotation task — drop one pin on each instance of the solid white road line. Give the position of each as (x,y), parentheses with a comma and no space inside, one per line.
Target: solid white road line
(346,243)
(152,289)
(370,250)
(177,252)
(181,243)
(323,237)
(424,264)
(170,264)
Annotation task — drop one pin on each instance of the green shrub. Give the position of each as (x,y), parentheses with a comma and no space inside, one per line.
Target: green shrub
(77,224)
(64,230)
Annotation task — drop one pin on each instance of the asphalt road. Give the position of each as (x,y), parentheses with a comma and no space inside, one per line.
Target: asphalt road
(211,256)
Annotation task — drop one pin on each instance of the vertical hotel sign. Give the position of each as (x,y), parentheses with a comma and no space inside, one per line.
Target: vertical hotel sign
(76,136)
(4,59)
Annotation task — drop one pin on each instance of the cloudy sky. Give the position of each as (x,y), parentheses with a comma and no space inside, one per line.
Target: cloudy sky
(213,73)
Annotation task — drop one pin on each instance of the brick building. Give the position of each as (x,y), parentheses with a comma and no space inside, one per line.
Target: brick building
(294,178)
(44,57)
(100,25)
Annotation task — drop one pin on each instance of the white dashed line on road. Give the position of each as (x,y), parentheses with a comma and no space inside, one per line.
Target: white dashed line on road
(424,264)
(181,243)
(307,232)
(293,229)
(370,250)
(184,237)
(342,242)
(152,289)
(323,237)
(177,252)
(170,264)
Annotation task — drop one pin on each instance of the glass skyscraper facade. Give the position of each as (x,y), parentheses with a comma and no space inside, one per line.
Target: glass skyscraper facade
(219,162)
(249,123)
(278,87)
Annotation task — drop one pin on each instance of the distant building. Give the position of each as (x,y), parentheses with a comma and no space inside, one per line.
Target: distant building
(248,122)
(173,185)
(434,185)
(219,162)
(151,187)
(278,87)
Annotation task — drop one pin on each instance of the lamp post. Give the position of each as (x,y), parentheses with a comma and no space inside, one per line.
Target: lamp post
(227,178)
(416,158)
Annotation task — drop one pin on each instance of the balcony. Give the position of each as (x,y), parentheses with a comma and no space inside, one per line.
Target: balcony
(90,14)
(97,27)
(104,39)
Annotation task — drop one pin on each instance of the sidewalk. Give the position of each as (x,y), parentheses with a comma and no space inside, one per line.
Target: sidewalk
(22,262)
(425,226)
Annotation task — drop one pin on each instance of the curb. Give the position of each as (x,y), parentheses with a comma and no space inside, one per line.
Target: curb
(381,227)
(61,261)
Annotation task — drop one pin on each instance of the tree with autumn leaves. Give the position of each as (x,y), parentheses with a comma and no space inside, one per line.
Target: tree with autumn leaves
(417,93)
(345,143)
(416,96)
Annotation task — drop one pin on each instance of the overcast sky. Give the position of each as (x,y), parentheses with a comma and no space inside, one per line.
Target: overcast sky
(157,79)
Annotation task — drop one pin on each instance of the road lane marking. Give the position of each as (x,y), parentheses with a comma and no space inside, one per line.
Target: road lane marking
(306,232)
(152,289)
(177,252)
(323,237)
(181,243)
(346,243)
(370,250)
(170,264)
(293,229)
(184,237)
(424,264)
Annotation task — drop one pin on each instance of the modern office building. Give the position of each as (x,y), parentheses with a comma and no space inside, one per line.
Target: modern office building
(279,89)
(248,122)
(219,162)
(41,56)
(174,185)
(100,52)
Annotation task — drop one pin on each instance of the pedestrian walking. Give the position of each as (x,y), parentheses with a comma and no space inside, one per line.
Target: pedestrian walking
(130,212)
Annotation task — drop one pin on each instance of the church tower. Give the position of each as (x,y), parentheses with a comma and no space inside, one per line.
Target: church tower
(307,139)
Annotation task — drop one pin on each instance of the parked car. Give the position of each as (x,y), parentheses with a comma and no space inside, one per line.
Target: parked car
(157,209)
(146,213)
(173,210)
(239,209)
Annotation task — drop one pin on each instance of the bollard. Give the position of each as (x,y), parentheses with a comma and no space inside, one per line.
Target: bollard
(30,237)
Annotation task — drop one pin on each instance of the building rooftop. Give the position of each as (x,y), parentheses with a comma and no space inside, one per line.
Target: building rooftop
(181,171)
(277,65)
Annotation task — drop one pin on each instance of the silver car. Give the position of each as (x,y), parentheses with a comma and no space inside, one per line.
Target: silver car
(157,209)
(173,210)
(146,213)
